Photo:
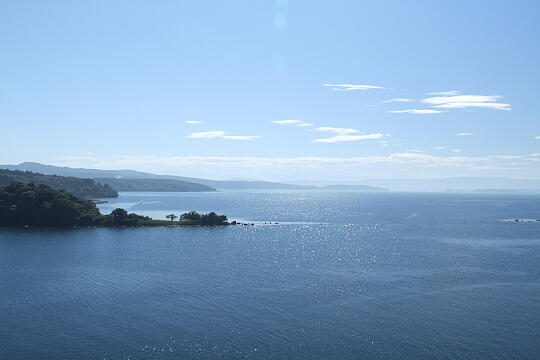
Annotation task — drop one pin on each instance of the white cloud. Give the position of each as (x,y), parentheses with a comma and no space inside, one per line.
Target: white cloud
(344,134)
(193,122)
(535,154)
(460,99)
(464,134)
(465,101)
(393,143)
(444,93)
(396,100)
(416,111)
(341,134)
(439,147)
(241,137)
(347,137)
(286,122)
(206,135)
(456,150)
(457,105)
(292,122)
(507,157)
(537,137)
(341,131)
(350,87)
(221,135)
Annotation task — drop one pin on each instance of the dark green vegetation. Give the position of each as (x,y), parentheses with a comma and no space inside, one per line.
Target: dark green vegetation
(211,218)
(40,205)
(28,204)
(86,188)
(153,185)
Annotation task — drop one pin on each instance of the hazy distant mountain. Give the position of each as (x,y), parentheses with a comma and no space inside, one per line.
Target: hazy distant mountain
(79,172)
(354,187)
(132,174)
(483,184)
(475,184)
(457,184)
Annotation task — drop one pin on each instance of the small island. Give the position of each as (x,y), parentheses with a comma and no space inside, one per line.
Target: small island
(28,204)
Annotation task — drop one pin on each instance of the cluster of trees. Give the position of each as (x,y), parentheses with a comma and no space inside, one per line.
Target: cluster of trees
(29,204)
(40,205)
(86,188)
(194,218)
(120,217)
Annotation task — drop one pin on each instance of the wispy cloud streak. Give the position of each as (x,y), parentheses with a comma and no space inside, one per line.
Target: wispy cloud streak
(220,135)
(444,93)
(467,101)
(299,123)
(396,100)
(344,135)
(416,111)
(337,130)
(351,87)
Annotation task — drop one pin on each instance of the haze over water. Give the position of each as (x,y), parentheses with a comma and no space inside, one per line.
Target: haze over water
(344,275)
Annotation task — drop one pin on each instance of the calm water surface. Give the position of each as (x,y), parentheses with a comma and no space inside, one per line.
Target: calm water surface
(344,275)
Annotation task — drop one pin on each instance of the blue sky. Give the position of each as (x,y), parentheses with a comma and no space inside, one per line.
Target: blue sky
(203,88)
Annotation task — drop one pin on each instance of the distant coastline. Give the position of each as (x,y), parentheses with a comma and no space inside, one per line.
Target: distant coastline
(131,180)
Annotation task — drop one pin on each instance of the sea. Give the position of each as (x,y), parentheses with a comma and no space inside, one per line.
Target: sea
(315,275)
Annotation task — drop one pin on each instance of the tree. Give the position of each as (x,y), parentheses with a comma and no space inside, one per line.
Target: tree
(118,216)
(172,217)
(192,215)
(213,219)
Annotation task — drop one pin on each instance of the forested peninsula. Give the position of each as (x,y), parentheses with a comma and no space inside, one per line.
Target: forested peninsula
(86,188)
(29,204)
(121,184)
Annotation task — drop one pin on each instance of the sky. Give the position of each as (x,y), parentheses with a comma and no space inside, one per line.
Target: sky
(273,89)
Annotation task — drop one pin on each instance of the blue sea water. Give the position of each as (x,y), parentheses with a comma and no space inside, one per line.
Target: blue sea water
(344,275)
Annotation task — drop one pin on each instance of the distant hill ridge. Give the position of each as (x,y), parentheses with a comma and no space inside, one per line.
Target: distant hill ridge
(132,180)
(81,187)
(132,174)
